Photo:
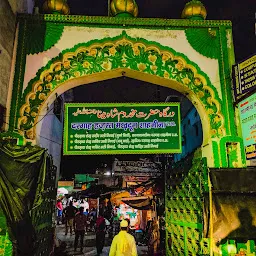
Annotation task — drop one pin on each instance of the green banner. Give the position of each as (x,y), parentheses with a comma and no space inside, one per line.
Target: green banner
(121,128)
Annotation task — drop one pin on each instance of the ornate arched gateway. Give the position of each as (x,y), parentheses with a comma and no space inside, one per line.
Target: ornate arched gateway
(122,55)
(55,53)
(106,58)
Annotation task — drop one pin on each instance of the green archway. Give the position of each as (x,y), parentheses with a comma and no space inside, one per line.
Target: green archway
(112,57)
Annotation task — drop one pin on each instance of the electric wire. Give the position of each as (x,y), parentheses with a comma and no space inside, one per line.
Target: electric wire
(37,134)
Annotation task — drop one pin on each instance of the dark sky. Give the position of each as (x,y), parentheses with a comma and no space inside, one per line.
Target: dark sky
(242,15)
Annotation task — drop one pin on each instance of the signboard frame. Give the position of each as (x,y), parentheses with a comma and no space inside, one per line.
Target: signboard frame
(247,115)
(137,168)
(173,105)
(244,74)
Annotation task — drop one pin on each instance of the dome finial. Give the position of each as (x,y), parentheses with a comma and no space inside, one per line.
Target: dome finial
(194,10)
(124,8)
(56,6)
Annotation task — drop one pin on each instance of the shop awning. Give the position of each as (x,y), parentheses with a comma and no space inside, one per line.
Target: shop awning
(140,203)
(117,197)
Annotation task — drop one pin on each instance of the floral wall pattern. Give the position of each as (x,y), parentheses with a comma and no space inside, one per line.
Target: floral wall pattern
(121,52)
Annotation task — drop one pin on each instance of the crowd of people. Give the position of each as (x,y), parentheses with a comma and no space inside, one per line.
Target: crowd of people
(67,211)
(78,220)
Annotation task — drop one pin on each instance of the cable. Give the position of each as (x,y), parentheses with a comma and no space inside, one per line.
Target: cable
(119,94)
(50,140)
(43,117)
(19,115)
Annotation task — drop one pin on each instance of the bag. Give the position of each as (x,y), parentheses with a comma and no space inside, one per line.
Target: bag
(107,222)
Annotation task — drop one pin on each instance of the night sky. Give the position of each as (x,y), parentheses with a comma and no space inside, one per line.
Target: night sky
(242,15)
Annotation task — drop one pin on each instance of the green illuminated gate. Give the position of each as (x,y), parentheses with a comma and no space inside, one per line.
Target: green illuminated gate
(186,184)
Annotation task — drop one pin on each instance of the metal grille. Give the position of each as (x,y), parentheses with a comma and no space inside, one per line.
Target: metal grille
(186,183)
(43,215)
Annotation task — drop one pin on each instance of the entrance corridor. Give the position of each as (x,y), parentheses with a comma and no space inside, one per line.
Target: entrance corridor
(89,243)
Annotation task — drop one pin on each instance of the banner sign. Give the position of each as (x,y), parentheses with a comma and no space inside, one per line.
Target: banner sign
(64,183)
(136,168)
(247,110)
(121,128)
(136,178)
(244,77)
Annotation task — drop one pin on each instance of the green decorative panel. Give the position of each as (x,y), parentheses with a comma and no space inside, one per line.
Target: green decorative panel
(232,152)
(102,21)
(225,71)
(121,52)
(205,41)
(19,74)
(42,36)
(186,185)
(5,243)
(232,247)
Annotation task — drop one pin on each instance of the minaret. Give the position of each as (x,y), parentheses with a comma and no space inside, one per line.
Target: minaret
(124,8)
(194,10)
(56,7)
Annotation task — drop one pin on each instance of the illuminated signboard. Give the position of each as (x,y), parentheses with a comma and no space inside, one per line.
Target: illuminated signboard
(121,128)
(247,110)
(244,77)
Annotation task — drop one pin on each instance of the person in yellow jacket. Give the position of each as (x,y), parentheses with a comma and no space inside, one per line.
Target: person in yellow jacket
(123,243)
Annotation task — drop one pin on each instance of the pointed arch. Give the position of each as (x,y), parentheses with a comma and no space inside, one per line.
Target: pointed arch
(110,57)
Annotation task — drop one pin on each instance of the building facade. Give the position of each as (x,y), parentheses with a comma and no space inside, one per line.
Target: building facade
(56,52)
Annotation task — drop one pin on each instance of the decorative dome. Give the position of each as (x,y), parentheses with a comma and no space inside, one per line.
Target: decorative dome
(124,8)
(194,10)
(56,6)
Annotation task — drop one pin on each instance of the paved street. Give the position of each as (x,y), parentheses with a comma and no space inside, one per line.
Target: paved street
(89,244)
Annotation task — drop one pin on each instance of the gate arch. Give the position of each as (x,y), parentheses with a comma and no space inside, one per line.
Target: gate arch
(108,58)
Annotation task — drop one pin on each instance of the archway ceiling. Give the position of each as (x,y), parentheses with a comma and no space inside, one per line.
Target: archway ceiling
(121,89)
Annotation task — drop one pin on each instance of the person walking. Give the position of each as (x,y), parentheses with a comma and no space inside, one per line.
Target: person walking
(123,243)
(100,234)
(69,214)
(80,224)
(115,225)
(154,240)
(93,218)
(59,211)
